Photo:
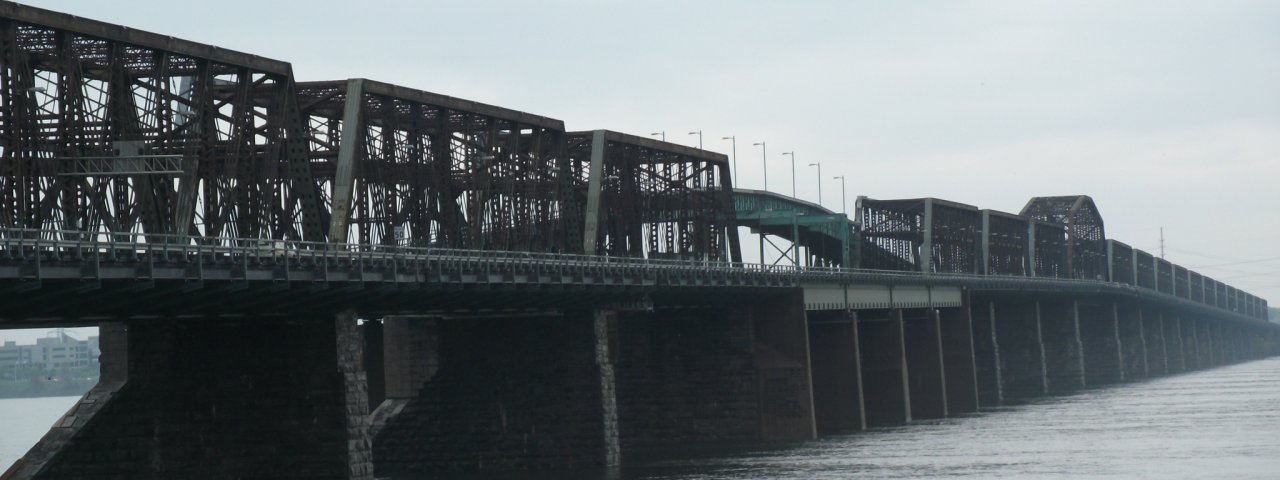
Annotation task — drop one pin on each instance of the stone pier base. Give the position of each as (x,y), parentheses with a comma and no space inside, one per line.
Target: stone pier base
(217,398)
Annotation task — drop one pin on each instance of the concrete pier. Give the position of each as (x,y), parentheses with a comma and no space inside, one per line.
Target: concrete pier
(926,375)
(1104,360)
(1063,350)
(1022,354)
(172,403)
(886,390)
(1175,353)
(986,352)
(837,372)
(958,359)
(1133,341)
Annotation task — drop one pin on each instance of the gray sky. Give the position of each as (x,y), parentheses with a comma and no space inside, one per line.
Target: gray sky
(1167,113)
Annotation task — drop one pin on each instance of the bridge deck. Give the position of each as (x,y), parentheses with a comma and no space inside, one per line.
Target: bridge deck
(45,280)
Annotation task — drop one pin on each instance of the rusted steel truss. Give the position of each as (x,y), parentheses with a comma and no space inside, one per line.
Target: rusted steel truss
(108,129)
(1086,239)
(926,234)
(653,199)
(407,167)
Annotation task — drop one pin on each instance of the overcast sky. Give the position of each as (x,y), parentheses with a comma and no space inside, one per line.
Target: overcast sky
(1167,113)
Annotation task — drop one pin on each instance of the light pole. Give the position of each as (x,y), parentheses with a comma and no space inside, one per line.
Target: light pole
(662,133)
(764,159)
(819,165)
(843,198)
(699,134)
(735,158)
(792,154)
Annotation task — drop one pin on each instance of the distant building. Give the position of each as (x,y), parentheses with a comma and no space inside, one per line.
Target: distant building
(54,352)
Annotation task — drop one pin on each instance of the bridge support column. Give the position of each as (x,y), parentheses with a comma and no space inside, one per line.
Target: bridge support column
(1190,344)
(886,391)
(922,336)
(1208,354)
(958,360)
(217,395)
(714,377)
(986,352)
(410,358)
(1133,340)
(512,392)
(1022,354)
(1226,340)
(1064,352)
(374,363)
(782,357)
(1157,342)
(1175,354)
(1100,341)
(837,372)
(1224,355)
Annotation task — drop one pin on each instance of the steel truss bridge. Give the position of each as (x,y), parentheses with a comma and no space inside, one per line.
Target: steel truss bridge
(540,298)
(110,135)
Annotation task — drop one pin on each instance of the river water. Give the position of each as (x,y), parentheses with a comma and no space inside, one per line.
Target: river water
(1221,423)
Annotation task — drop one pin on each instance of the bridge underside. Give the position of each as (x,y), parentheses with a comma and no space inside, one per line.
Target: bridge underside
(594,385)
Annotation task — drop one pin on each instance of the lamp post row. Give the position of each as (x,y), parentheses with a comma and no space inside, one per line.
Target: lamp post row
(764,161)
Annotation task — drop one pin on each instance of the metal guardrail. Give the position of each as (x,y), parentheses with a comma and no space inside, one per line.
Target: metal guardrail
(58,247)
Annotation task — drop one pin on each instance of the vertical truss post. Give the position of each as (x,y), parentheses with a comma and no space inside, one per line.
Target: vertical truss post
(189,185)
(926,244)
(591,225)
(1111,269)
(986,243)
(344,175)
(1031,247)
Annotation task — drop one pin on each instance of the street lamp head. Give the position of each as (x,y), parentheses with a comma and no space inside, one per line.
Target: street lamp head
(727,138)
(840,177)
(815,164)
(656,133)
(699,132)
(788,153)
(758,143)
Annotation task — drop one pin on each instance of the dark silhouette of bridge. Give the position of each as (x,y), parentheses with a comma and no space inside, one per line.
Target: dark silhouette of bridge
(328,279)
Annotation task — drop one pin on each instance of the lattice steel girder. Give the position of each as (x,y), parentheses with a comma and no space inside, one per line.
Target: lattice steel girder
(926,234)
(428,169)
(1164,276)
(1144,266)
(139,38)
(656,199)
(1049,249)
(1181,281)
(1005,245)
(1086,238)
(1120,264)
(72,88)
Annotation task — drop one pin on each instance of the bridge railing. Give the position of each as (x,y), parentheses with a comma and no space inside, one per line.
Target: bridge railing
(59,245)
(79,249)
(36,246)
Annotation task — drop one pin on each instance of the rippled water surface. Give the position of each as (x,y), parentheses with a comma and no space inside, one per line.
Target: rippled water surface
(24,420)
(1221,423)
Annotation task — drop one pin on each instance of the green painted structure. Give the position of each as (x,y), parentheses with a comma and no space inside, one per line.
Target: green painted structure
(827,237)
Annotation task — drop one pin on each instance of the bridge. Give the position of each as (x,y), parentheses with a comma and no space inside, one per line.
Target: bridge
(337,279)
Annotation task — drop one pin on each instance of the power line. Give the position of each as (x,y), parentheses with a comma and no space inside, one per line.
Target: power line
(1207,255)
(1242,262)
(1252,274)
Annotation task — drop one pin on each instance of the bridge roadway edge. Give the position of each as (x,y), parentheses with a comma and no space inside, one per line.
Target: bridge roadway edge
(791,359)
